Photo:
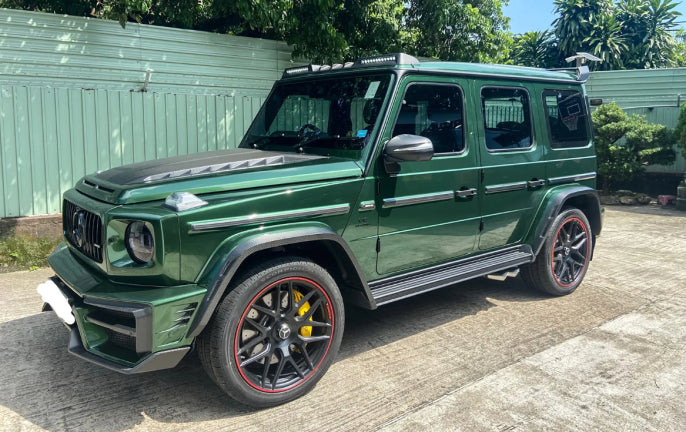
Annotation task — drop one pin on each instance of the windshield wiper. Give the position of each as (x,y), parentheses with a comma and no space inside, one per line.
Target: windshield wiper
(332,142)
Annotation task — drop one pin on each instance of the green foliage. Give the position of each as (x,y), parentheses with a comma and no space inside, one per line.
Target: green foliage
(680,130)
(322,30)
(625,34)
(467,30)
(22,253)
(535,49)
(574,22)
(626,144)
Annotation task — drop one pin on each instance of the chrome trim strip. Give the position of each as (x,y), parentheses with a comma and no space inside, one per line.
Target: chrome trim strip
(572,178)
(268,217)
(507,187)
(418,199)
(587,176)
(367,206)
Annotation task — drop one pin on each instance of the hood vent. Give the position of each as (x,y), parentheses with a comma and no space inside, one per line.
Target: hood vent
(220,167)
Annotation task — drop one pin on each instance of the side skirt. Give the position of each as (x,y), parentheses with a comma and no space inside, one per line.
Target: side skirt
(398,287)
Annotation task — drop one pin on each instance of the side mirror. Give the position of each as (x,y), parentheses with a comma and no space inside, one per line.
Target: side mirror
(406,148)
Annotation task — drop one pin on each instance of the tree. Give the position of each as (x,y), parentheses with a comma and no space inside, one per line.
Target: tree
(462,30)
(606,41)
(535,49)
(626,144)
(648,26)
(573,22)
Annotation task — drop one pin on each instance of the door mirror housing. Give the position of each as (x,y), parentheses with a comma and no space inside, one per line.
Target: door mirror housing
(406,148)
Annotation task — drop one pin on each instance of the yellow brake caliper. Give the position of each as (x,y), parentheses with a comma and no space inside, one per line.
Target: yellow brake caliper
(305,330)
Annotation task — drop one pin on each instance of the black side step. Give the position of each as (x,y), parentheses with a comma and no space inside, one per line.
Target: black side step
(408,284)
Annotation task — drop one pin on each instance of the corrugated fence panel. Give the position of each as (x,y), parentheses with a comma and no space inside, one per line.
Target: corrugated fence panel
(654,93)
(72,99)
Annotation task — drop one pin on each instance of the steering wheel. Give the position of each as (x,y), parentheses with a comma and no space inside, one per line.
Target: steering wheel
(314,129)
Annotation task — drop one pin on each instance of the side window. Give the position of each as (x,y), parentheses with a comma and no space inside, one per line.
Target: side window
(433,111)
(567,118)
(507,123)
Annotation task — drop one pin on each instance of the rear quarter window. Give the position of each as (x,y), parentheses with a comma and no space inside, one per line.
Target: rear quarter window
(567,118)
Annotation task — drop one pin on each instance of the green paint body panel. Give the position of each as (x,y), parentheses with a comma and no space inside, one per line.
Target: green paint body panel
(342,207)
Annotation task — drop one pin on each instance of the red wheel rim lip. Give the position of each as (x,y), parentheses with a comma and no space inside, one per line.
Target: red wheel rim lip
(552,254)
(240,323)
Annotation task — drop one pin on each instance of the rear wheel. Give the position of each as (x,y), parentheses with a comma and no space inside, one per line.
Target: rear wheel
(562,263)
(275,334)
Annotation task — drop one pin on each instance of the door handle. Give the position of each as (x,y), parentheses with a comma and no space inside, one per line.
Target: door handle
(464,193)
(535,183)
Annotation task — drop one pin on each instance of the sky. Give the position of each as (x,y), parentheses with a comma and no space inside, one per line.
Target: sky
(528,15)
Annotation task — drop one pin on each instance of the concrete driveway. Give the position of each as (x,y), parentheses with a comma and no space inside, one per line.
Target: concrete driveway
(478,356)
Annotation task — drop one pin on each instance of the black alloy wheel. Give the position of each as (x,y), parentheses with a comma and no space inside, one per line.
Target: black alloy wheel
(563,261)
(275,333)
(284,334)
(570,251)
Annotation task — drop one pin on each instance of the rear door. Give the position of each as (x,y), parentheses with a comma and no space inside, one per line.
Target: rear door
(513,174)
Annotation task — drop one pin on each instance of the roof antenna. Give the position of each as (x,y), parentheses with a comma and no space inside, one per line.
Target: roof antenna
(582,57)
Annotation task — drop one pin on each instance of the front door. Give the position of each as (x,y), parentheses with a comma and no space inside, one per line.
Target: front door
(428,212)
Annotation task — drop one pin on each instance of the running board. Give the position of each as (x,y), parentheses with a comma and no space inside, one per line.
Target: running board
(419,281)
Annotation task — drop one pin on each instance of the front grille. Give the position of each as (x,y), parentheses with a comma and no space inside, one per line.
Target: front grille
(83,230)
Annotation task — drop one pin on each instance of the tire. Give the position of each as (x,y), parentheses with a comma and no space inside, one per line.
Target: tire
(263,352)
(562,263)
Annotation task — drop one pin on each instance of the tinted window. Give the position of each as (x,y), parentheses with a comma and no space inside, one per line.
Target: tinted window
(433,111)
(507,124)
(567,118)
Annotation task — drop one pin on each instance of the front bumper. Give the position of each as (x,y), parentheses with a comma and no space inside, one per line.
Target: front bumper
(126,328)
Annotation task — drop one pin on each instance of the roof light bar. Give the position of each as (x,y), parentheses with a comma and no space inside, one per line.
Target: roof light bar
(379,60)
(387,60)
(300,70)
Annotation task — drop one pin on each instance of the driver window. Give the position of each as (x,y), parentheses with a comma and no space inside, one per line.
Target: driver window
(433,111)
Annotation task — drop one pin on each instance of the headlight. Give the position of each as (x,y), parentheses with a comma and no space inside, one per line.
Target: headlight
(139,242)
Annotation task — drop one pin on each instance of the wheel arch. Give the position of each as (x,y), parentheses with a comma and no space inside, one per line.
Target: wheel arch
(581,197)
(316,242)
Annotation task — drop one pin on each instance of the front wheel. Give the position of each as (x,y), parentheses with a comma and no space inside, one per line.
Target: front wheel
(275,334)
(562,263)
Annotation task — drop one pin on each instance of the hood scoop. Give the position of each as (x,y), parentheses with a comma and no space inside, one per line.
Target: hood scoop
(193,165)
(221,167)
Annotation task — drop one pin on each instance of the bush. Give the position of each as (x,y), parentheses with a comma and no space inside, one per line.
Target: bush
(680,130)
(625,144)
(25,253)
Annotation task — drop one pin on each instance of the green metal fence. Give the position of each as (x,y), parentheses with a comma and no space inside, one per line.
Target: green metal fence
(74,98)
(655,93)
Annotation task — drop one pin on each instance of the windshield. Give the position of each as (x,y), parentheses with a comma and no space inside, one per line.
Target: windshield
(334,113)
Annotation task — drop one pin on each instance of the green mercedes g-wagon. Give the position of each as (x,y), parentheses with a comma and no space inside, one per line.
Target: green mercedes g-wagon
(360,183)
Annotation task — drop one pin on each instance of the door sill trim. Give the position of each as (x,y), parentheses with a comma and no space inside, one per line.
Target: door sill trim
(406,285)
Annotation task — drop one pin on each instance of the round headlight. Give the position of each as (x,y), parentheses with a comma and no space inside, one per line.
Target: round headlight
(139,242)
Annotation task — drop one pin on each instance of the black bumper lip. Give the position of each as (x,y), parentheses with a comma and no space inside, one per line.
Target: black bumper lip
(155,361)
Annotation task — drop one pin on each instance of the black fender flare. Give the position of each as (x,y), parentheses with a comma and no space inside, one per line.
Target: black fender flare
(557,201)
(238,254)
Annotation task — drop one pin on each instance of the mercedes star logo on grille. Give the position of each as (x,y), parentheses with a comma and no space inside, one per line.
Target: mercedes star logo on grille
(78,222)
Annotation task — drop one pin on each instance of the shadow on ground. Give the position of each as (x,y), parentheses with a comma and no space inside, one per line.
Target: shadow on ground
(50,388)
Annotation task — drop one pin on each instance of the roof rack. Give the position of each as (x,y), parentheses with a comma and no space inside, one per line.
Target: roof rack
(394,59)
